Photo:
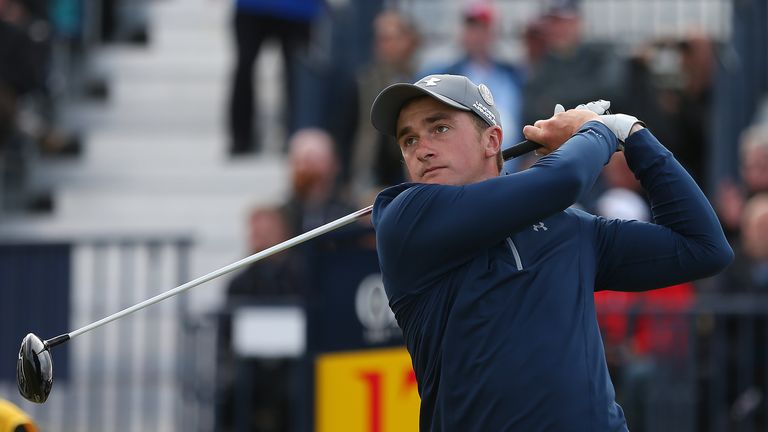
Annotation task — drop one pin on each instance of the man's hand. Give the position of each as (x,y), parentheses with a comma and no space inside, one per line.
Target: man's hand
(599,107)
(556,130)
(622,125)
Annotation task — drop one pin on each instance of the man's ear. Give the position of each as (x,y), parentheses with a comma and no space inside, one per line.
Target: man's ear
(492,138)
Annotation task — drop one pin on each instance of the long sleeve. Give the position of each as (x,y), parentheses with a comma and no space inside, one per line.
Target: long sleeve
(423,229)
(685,241)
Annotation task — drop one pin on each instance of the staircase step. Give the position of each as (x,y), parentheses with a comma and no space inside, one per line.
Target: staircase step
(152,62)
(139,150)
(191,14)
(192,118)
(155,157)
(220,215)
(180,175)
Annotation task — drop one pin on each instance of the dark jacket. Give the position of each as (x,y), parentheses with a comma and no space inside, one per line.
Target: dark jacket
(492,283)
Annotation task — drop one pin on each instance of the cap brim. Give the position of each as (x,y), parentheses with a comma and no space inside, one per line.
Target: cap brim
(386,107)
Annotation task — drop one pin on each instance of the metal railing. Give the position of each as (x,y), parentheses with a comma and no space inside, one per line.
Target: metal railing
(710,374)
(132,374)
(706,368)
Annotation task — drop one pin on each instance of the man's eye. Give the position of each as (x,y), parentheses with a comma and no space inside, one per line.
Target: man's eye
(441,129)
(409,141)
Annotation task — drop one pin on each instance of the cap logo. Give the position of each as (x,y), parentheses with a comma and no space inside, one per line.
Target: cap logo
(486,112)
(431,81)
(485,92)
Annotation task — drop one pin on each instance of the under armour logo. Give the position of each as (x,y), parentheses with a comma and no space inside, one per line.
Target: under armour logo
(538,226)
(431,81)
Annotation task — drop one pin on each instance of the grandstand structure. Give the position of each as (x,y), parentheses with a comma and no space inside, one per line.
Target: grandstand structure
(155,157)
(627,23)
(155,199)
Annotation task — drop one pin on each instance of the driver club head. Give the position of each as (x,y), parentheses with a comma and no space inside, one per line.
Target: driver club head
(34,369)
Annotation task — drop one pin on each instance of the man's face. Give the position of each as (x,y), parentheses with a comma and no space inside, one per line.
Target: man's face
(754,166)
(441,145)
(394,42)
(267,228)
(755,229)
(477,39)
(562,32)
(313,165)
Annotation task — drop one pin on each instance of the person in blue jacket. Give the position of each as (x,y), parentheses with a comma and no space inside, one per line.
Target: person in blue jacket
(479,63)
(255,21)
(491,278)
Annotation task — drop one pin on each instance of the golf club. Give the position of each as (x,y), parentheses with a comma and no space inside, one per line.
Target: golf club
(34,366)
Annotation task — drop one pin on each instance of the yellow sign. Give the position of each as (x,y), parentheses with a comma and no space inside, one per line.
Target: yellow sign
(366,391)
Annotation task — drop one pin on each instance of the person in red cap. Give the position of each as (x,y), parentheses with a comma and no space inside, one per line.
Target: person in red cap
(480,64)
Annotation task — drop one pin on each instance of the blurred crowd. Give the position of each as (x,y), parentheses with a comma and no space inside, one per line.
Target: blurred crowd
(339,165)
(667,82)
(46,51)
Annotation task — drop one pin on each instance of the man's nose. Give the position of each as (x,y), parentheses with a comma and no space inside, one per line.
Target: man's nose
(425,150)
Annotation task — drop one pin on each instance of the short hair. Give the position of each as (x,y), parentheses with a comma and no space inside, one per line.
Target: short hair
(481,126)
(405,23)
(753,138)
(755,212)
(757,205)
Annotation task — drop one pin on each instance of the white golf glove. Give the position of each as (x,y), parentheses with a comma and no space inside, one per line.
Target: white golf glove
(619,124)
(598,107)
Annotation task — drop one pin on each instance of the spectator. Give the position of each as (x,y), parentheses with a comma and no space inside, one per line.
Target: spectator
(267,384)
(753,167)
(314,196)
(745,281)
(646,88)
(754,159)
(692,110)
(288,21)
(23,59)
(572,71)
(479,64)
(24,43)
(124,21)
(755,244)
(376,160)
(13,419)
(27,36)
(276,276)
(535,43)
(749,272)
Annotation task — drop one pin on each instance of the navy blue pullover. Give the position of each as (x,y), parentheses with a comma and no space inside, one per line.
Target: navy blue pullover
(492,283)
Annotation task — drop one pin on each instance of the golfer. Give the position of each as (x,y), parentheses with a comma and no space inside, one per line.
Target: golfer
(491,277)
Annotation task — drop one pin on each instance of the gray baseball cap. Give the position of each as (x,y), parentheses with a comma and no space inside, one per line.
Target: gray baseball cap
(453,90)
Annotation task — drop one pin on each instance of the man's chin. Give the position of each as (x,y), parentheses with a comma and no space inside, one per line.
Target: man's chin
(439,179)
(436,176)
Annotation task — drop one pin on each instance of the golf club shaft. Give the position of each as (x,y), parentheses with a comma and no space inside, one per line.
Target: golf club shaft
(520,149)
(338,223)
(512,152)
